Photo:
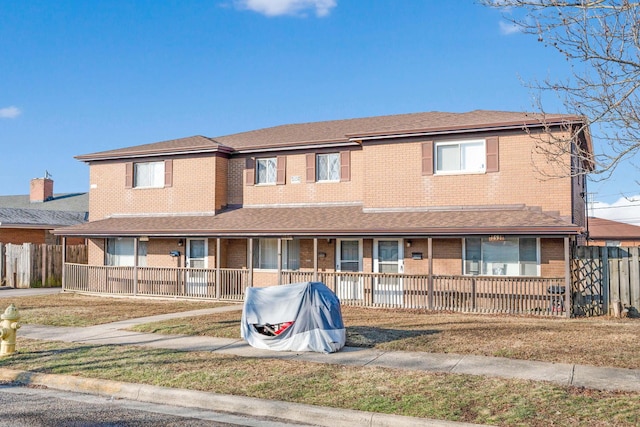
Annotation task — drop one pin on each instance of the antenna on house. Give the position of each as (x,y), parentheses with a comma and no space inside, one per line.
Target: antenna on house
(47,175)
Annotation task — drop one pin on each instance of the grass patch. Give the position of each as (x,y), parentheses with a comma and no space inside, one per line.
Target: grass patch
(600,341)
(593,341)
(67,309)
(451,397)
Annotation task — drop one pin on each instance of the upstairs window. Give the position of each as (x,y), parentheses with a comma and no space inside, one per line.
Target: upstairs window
(460,157)
(266,171)
(328,167)
(149,174)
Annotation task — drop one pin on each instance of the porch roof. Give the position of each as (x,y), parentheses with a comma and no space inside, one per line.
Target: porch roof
(332,221)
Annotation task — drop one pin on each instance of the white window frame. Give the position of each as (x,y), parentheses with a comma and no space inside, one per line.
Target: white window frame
(259,247)
(123,248)
(481,267)
(150,173)
(329,157)
(271,170)
(460,144)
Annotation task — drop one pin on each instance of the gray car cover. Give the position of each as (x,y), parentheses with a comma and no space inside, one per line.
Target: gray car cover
(297,317)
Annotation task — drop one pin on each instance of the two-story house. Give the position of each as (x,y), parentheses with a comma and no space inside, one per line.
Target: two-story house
(402,210)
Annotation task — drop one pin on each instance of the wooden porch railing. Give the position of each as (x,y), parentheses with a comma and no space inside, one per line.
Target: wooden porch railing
(490,294)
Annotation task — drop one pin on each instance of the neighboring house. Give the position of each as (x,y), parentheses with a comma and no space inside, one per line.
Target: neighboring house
(30,218)
(605,232)
(438,194)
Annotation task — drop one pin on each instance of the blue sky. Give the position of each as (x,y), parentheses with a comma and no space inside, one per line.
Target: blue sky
(78,77)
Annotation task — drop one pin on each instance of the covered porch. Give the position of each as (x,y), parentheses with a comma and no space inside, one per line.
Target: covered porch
(477,261)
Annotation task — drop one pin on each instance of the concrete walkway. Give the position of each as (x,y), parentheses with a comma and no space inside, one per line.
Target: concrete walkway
(115,333)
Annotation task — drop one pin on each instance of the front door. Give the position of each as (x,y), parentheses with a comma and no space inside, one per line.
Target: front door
(388,258)
(349,260)
(196,264)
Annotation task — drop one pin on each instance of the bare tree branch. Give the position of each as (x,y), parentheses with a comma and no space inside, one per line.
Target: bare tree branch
(601,40)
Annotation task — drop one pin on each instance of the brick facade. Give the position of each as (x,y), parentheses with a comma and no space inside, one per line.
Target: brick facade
(383,174)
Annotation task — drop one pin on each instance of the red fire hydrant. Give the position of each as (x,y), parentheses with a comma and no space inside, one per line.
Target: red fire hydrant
(8,330)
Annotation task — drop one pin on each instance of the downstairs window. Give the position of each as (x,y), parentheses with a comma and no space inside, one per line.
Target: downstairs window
(509,256)
(120,252)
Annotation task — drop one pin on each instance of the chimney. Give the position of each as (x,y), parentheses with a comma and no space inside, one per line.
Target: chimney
(41,189)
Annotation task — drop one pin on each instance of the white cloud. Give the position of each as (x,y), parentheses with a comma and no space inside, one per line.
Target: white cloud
(287,7)
(508,28)
(625,209)
(9,112)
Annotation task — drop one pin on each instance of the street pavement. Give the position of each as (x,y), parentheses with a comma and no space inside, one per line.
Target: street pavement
(116,334)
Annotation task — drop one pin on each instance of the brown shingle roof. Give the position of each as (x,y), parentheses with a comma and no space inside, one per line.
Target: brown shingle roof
(343,130)
(331,221)
(336,131)
(188,145)
(605,229)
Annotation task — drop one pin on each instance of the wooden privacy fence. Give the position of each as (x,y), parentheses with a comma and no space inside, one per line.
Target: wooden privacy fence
(34,265)
(606,276)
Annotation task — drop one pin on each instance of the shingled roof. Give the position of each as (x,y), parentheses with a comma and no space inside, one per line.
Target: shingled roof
(332,221)
(37,218)
(606,229)
(340,132)
(191,144)
(70,202)
(379,126)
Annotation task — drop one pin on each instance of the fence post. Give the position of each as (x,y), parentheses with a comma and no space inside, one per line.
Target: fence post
(44,264)
(430,279)
(315,259)
(634,279)
(567,277)
(64,260)
(604,259)
(3,277)
(218,266)
(250,261)
(135,266)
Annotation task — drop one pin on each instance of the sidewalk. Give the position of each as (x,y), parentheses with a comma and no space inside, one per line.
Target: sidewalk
(114,333)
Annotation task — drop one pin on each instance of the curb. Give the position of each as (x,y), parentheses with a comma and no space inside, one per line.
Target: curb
(293,412)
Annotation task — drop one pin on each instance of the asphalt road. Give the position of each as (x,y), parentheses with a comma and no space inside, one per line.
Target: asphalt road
(35,407)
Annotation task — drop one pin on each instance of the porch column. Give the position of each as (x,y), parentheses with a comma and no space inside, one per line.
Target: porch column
(430,279)
(315,259)
(567,277)
(250,261)
(279,261)
(64,261)
(218,264)
(135,266)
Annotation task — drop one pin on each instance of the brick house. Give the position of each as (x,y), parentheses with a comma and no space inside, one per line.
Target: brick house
(31,218)
(605,232)
(361,203)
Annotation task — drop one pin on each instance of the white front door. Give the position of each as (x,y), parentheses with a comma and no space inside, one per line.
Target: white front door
(349,259)
(388,257)
(196,264)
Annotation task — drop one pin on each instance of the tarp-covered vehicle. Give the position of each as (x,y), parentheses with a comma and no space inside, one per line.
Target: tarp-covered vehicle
(297,317)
